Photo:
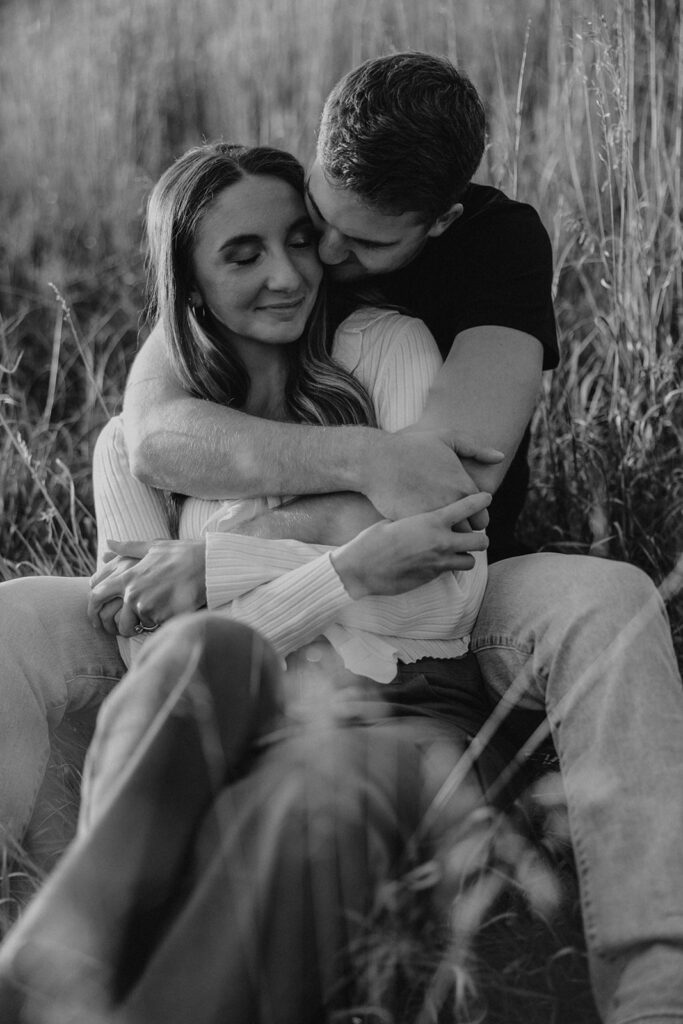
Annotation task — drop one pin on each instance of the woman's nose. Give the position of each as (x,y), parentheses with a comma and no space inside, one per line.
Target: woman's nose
(332,247)
(283,275)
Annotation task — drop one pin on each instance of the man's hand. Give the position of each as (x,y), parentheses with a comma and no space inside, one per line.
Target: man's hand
(419,470)
(149,582)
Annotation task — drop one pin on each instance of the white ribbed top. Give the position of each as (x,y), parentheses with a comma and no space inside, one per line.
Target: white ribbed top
(289,590)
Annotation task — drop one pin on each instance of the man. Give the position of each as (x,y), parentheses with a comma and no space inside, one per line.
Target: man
(584,640)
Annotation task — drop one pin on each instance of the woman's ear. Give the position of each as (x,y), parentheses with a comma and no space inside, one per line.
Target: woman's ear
(445,220)
(196,300)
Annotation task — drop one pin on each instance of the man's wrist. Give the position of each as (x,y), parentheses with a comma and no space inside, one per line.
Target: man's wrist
(361,458)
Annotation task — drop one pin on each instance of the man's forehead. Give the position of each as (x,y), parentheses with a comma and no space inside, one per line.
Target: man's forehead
(344,210)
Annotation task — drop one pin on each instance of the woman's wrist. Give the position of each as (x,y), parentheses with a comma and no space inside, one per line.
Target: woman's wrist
(345,564)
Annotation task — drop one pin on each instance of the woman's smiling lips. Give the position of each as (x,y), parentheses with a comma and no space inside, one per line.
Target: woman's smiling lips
(285,308)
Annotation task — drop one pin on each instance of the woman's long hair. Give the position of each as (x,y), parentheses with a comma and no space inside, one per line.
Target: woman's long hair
(318,390)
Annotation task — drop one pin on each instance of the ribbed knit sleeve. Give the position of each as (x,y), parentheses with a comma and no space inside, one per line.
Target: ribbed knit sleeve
(300,591)
(406,374)
(126,509)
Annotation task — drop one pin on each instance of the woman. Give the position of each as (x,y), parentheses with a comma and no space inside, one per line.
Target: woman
(237,283)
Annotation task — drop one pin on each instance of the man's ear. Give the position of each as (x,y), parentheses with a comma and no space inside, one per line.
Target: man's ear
(445,220)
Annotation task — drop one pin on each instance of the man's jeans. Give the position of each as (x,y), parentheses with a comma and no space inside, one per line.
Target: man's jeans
(588,640)
(586,637)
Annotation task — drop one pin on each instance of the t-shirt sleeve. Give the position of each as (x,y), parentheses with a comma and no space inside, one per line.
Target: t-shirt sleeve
(504,275)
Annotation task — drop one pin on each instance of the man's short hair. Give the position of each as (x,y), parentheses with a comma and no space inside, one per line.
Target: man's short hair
(406,132)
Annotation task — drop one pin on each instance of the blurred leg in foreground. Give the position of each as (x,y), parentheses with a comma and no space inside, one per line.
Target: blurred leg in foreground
(52,662)
(588,641)
(229,857)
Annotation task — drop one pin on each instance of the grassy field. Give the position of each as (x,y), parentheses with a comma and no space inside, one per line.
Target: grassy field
(585,107)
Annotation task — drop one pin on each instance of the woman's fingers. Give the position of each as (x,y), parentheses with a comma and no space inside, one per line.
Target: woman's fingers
(458,512)
(105,618)
(131,548)
(114,565)
(128,620)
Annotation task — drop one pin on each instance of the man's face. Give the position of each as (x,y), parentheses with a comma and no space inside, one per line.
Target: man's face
(357,241)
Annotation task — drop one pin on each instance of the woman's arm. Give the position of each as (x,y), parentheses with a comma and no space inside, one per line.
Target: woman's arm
(398,362)
(125,508)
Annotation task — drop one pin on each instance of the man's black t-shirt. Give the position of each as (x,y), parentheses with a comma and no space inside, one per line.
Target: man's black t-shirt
(493,266)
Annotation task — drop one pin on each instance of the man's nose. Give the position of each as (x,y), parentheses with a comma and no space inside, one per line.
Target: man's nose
(332,247)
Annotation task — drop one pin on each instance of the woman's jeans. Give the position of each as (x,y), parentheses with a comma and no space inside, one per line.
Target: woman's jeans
(586,638)
(52,661)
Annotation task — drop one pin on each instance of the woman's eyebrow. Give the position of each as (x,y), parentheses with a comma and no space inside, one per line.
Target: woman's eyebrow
(239,240)
(304,221)
(249,239)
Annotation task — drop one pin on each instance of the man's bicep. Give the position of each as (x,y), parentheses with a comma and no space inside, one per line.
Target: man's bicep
(175,441)
(486,392)
(152,384)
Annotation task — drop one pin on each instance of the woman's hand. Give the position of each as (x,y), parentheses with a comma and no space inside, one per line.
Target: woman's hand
(393,557)
(411,471)
(147,582)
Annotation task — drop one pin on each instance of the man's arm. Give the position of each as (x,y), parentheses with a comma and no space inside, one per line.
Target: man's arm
(486,391)
(196,447)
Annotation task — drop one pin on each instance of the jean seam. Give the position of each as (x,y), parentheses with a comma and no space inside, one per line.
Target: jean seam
(580,857)
(93,677)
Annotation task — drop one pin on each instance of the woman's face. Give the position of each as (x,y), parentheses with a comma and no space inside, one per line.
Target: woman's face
(255,261)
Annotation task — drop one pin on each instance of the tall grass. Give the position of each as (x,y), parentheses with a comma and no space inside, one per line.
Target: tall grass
(585,108)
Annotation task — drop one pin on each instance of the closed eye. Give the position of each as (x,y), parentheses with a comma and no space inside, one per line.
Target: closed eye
(243,261)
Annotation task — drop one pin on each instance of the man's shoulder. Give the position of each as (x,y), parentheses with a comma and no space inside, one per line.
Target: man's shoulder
(485,204)
(493,234)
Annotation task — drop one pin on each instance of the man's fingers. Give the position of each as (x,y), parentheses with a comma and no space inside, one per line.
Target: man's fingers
(469,450)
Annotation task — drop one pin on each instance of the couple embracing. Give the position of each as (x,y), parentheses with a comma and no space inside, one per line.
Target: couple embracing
(342,373)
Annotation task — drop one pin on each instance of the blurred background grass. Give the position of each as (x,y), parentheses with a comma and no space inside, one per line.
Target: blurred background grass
(585,104)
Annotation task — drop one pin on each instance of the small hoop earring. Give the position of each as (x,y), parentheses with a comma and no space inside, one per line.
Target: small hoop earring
(199,312)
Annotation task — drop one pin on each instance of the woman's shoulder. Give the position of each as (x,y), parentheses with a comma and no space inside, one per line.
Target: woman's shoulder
(370,332)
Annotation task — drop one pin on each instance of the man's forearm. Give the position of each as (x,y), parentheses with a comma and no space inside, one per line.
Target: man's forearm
(194,447)
(229,457)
